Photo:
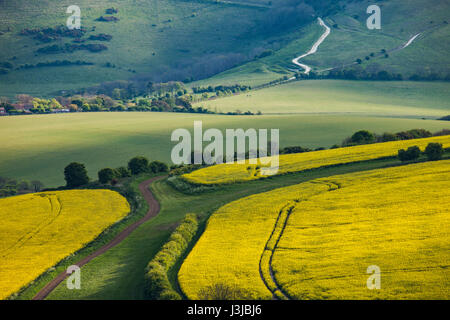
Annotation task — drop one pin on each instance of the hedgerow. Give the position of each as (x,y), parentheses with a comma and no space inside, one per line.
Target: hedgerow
(157,284)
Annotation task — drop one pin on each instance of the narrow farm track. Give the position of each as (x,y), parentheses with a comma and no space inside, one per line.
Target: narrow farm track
(153,210)
(272,244)
(265,269)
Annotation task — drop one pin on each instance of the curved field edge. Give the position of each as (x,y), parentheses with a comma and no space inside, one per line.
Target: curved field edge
(237,235)
(232,173)
(138,208)
(40,229)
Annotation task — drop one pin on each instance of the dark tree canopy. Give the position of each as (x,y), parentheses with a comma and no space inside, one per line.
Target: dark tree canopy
(106,175)
(412,153)
(138,165)
(158,166)
(362,137)
(434,151)
(75,175)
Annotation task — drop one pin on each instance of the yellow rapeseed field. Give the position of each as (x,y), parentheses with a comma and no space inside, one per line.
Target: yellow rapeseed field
(230,173)
(336,227)
(38,230)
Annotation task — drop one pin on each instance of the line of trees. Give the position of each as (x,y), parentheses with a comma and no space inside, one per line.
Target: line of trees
(361,74)
(222,89)
(76,174)
(366,137)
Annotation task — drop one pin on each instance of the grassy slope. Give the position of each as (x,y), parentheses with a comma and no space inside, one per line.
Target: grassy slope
(119,273)
(180,42)
(229,29)
(263,70)
(411,99)
(351,40)
(40,146)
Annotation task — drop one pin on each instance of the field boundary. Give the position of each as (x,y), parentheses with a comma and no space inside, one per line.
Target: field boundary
(153,210)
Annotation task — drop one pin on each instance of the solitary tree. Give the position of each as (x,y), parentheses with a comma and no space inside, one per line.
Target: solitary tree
(138,165)
(75,175)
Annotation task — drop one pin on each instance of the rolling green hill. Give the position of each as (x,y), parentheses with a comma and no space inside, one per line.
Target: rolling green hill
(350,39)
(240,41)
(153,39)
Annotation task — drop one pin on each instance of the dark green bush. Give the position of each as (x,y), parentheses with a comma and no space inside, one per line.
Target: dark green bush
(158,166)
(222,291)
(434,151)
(412,153)
(363,137)
(294,149)
(157,284)
(122,172)
(138,165)
(106,175)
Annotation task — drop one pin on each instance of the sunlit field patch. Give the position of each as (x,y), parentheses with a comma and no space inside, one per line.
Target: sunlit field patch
(394,218)
(230,173)
(40,229)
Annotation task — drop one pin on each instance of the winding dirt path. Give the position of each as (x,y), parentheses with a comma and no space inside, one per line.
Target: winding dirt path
(152,211)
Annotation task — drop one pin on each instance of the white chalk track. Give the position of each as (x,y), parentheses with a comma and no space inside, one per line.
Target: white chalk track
(313,48)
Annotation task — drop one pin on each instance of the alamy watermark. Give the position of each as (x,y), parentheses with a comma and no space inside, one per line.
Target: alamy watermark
(374,21)
(74,21)
(374,281)
(74,280)
(190,150)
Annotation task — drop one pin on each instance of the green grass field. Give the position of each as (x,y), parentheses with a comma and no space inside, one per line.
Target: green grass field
(406,99)
(40,146)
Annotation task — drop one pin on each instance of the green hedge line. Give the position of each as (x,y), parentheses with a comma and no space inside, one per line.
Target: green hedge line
(157,284)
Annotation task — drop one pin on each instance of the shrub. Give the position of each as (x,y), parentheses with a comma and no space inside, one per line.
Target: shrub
(157,284)
(75,175)
(158,166)
(122,172)
(413,134)
(106,175)
(138,165)
(388,137)
(37,185)
(443,132)
(362,137)
(434,151)
(412,153)
(221,291)
(295,149)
